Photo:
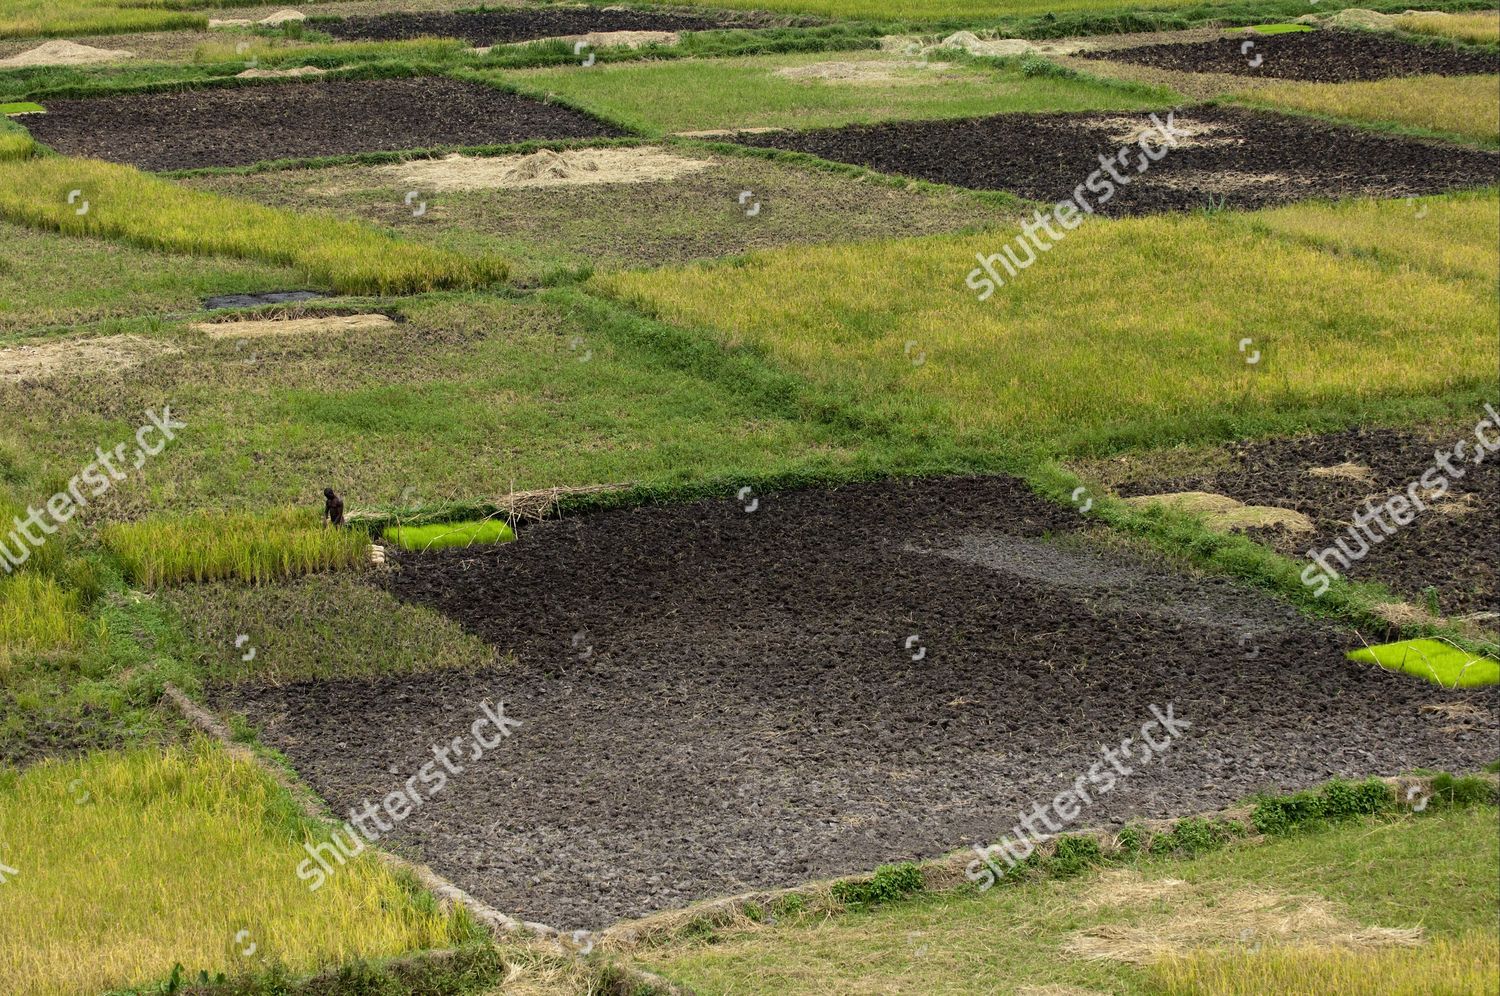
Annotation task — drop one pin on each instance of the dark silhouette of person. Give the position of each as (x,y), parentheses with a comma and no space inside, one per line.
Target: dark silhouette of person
(333,508)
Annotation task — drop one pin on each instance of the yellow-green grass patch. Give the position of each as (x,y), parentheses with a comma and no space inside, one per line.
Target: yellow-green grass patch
(44,18)
(1470,964)
(1466,107)
(134,207)
(472,397)
(712,94)
(212,546)
(1126,332)
(1452,234)
(1435,870)
(37,616)
(52,280)
(321,626)
(129,863)
(1480,26)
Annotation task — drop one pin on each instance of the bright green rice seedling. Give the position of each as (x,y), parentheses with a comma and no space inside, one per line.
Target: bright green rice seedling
(438,535)
(1440,663)
(21,107)
(143,210)
(238,545)
(129,863)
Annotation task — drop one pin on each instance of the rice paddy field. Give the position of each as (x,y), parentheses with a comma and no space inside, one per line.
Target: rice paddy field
(750,496)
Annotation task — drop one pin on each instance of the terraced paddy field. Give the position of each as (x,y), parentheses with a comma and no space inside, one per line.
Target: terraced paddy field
(748,497)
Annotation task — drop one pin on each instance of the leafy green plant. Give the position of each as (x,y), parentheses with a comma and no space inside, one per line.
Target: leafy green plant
(889,883)
(1074,853)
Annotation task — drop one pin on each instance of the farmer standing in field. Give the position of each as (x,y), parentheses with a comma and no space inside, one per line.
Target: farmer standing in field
(333,508)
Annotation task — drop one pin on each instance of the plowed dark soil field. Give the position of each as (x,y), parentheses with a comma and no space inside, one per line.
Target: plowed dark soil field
(1320,56)
(1453,548)
(734,694)
(495,27)
(236,126)
(1228,157)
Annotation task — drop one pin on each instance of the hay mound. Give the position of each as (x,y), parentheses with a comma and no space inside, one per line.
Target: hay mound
(47,360)
(1243,917)
(260,328)
(625,39)
(1127,888)
(65,53)
(868,71)
(280,17)
(1189,132)
(1354,17)
(1224,514)
(269,74)
(721,132)
(546,168)
(1348,469)
(975,45)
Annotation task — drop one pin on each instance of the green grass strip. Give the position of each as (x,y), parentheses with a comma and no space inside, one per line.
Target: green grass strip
(122,203)
(439,535)
(22,107)
(1440,663)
